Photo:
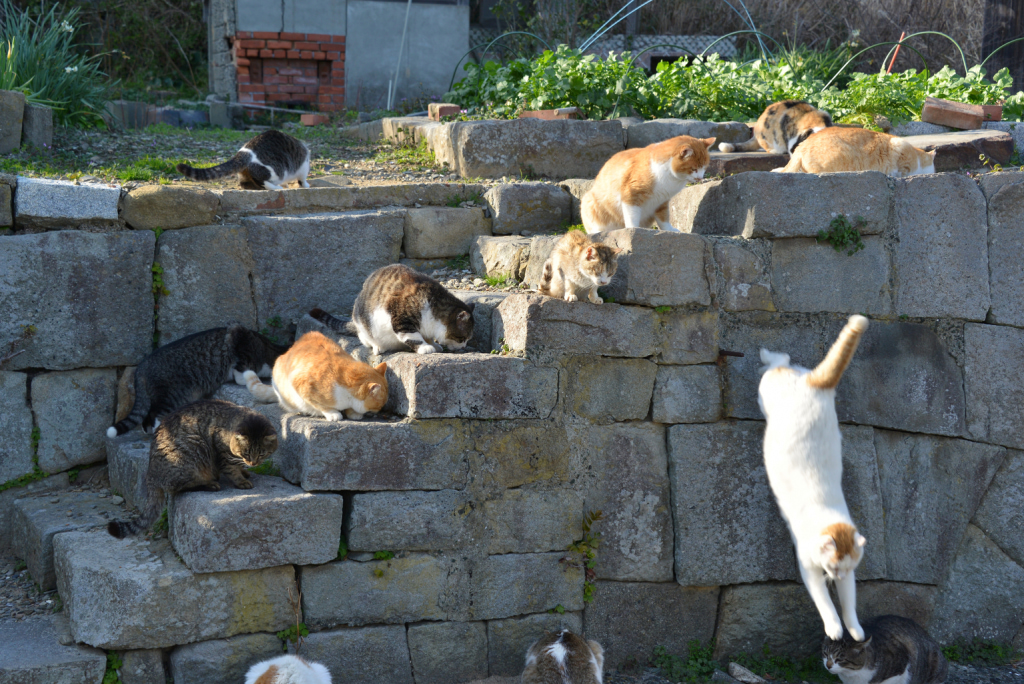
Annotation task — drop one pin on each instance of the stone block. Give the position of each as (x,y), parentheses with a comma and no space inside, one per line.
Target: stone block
(222,660)
(289,278)
(6,217)
(409,521)
(942,255)
(688,337)
(1005,241)
(41,203)
(745,284)
(914,601)
(127,465)
(983,595)
(657,130)
(518,583)
(1001,514)
(629,484)
(37,126)
(961,149)
(9,496)
(33,654)
(434,232)
(549,149)
(658,268)
(408,589)
(499,255)
(577,188)
(528,207)
(37,520)
(89,296)
(731,163)
(858,283)
(363,655)
(540,249)
(130,594)
(484,304)
(536,324)
(469,385)
(687,394)
(327,200)
(630,618)
(779,616)
(274,523)
(924,389)
(370,456)
(609,390)
(994,383)
(508,640)
(12,114)
(505,454)
(143,667)
(169,207)
(532,521)
(760,204)
(924,524)
(16,426)
(445,652)
(73,410)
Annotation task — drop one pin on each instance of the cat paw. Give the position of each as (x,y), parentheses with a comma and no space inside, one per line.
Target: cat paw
(834,630)
(239,377)
(212,487)
(352,415)
(332,416)
(856,631)
(571,297)
(244,484)
(426,349)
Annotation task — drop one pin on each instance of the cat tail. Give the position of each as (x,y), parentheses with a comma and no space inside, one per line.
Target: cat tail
(231,166)
(139,410)
(342,325)
(751,145)
(129,528)
(546,278)
(262,393)
(830,370)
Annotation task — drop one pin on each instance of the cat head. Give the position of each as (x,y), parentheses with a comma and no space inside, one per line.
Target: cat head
(846,655)
(599,263)
(841,547)
(458,327)
(372,387)
(690,157)
(254,439)
(913,161)
(252,349)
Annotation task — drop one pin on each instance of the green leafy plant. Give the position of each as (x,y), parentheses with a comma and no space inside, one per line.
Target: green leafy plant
(73,474)
(843,235)
(503,348)
(981,652)
(342,548)
(161,525)
(784,669)
(158,281)
(663,309)
(585,549)
(266,468)
(37,472)
(20,565)
(110,676)
(459,263)
(293,634)
(500,280)
(990,164)
(560,609)
(383,555)
(698,666)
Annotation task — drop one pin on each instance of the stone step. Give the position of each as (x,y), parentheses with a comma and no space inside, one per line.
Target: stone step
(41,651)
(730,163)
(331,199)
(127,463)
(961,149)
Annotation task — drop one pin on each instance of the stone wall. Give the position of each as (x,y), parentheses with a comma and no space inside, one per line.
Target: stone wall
(479,478)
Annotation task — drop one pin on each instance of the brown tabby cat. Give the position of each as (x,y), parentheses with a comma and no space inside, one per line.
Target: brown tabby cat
(564,658)
(858,149)
(782,126)
(266,162)
(193,446)
(896,650)
(577,267)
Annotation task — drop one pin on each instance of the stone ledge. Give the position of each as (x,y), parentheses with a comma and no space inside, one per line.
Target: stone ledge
(316,200)
(659,268)
(44,204)
(32,651)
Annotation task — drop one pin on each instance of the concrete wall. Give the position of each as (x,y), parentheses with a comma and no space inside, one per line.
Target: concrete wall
(292,16)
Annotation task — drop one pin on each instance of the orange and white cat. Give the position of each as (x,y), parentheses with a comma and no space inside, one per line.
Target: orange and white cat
(782,126)
(287,669)
(634,187)
(858,149)
(804,459)
(316,377)
(577,267)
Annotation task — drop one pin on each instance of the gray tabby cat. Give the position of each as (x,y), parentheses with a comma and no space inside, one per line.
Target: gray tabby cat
(194,367)
(401,309)
(193,446)
(564,658)
(895,650)
(266,162)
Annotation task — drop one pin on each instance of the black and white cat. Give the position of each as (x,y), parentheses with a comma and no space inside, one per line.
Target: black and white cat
(266,162)
(895,650)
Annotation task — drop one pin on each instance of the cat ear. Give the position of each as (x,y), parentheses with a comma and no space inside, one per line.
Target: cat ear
(375,389)
(616,250)
(710,142)
(590,254)
(270,439)
(381,368)
(471,306)
(463,316)
(827,543)
(686,153)
(860,541)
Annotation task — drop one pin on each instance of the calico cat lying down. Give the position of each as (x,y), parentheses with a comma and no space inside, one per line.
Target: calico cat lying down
(266,162)
(782,126)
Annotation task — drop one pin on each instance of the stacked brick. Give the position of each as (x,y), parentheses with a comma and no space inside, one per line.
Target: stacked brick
(291,68)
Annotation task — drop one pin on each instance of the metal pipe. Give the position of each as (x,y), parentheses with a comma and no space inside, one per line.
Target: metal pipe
(401,47)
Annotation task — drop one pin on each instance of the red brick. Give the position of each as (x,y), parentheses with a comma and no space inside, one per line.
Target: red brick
(249,88)
(319,55)
(275,44)
(242,62)
(278,97)
(266,53)
(954,114)
(244,78)
(318,37)
(307,54)
(303,97)
(252,53)
(292,89)
(293,36)
(304,80)
(277,63)
(274,79)
(332,46)
(331,90)
(293,54)
(271,35)
(332,56)
(306,46)
(280,54)
(239,50)
(253,43)
(312,90)
(290,71)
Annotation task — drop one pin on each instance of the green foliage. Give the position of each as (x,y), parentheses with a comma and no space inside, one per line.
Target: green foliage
(571,227)
(663,309)
(779,668)
(500,280)
(343,548)
(266,468)
(383,555)
(37,472)
(843,235)
(981,653)
(274,329)
(20,565)
(73,474)
(160,526)
(586,549)
(459,263)
(503,348)
(149,169)
(698,666)
(113,665)
(406,156)
(560,609)
(158,281)
(293,633)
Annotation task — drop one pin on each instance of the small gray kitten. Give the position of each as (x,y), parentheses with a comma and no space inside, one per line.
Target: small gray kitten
(266,162)
(564,658)
(895,650)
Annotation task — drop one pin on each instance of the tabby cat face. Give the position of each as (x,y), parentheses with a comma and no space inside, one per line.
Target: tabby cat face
(599,263)
(253,449)
(845,655)
(458,329)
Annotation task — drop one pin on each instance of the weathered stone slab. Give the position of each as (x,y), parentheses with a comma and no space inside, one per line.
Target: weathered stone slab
(445,652)
(362,655)
(433,232)
(630,486)
(577,188)
(89,296)
(745,285)
(657,130)
(127,464)
(290,278)
(688,337)
(143,667)
(925,523)
(540,249)
(924,389)
(53,204)
(206,275)
(609,390)
(528,208)
(32,654)
(983,595)
(942,256)
(730,163)
(760,204)
(469,385)
(484,304)
(6,217)
(510,453)
(37,520)
(914,601)
(274,523)
(1001,514)
(37,126)
(535,323)
(687,394)
(15,425)
(319,200)
(1005,241)
(168,207)
(410,588)
(519,583)
(506,254)
(994,379)
(508,640)
(960,149)
(409,521)
(9,496)
(12,114)
(857,283)
(73,410)
(532,521)
(630,618)
(129,594)
(222,660)
(779,616)
(658,268)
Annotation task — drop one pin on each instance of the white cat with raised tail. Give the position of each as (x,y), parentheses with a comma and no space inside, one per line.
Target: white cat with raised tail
(804,460)
(287,669)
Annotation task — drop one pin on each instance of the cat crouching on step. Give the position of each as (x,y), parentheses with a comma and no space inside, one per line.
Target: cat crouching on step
(267,162)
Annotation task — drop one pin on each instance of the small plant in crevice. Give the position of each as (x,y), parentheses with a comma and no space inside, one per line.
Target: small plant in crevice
(560,609)
(342,548)
(298,631)
(990,163)
(585,553)
(37,472)
(843,235)
(20,565)
(383,555)
(500,280)
(266,468)
(111,676)
(273,329)
(73,474)
(459,263)
(160,526)
(981,653)
(663,309)
(503,348)
(698,666)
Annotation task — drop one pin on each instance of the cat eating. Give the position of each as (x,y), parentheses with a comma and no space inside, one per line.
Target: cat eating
(633,188)
(896,650)
(803,457)
(266,162)
(858,149)
(577,267)
(782,126)
(564,658)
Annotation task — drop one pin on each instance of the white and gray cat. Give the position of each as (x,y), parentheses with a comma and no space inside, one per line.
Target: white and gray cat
(266,162)
(287,669)
(895,650)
